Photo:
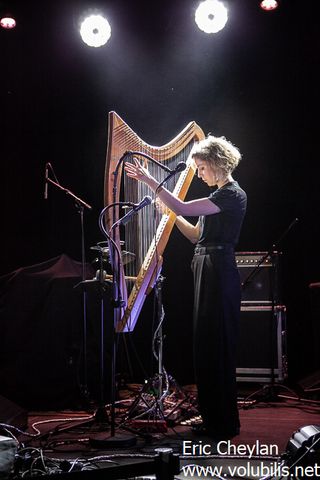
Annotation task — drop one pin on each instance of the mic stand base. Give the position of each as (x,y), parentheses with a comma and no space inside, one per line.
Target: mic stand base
(264,394)
(101,416)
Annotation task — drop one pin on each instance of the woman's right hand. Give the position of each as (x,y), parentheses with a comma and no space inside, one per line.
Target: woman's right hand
(137,171)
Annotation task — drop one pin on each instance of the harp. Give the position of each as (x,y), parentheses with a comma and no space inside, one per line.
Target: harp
(147,233)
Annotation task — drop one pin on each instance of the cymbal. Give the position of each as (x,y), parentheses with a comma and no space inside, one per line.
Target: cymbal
(126,257)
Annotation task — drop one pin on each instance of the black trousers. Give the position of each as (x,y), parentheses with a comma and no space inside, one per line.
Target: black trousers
(217,301)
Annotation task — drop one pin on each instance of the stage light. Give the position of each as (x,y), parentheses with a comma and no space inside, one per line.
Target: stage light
(7,21)
(269,5)
(303,452)
(95,31)
(211,16)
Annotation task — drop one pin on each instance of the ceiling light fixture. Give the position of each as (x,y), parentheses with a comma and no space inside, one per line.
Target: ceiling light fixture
(211,16)
(95,30)
(269,5)
(8,22)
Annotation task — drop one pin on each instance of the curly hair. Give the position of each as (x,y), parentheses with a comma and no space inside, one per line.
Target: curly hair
(217,151)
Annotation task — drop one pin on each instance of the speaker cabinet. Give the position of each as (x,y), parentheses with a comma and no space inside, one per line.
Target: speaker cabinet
(259,274)
(262,345)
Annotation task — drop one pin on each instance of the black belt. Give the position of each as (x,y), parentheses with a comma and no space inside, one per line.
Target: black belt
(212,249)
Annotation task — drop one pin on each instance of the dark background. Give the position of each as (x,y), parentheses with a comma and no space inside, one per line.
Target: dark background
(255,82)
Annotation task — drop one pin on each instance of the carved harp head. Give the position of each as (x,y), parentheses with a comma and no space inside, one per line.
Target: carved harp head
(146,234)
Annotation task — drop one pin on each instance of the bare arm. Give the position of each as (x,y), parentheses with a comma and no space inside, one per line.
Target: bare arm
(191,232)
(202,206)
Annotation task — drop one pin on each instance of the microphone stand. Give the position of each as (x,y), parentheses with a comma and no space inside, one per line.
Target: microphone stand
(272,251)
(68,192)
(81,205)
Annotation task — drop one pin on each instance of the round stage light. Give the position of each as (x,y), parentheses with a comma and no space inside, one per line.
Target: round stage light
(211,16)
(95,31)
(269,4)
(8,22)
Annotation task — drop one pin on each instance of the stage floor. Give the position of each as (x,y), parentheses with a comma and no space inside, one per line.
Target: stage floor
(71,441)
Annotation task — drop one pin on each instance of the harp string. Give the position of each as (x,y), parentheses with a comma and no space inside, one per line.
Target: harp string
(140,231)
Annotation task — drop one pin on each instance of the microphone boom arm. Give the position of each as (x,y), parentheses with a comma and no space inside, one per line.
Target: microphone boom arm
(68,192)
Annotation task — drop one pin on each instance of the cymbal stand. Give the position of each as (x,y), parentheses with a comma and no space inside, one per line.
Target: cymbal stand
(101,416)
(118,304)
(103,285)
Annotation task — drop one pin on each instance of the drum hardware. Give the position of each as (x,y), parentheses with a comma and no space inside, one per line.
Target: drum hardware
(105,284)
(109,253)
(126,257)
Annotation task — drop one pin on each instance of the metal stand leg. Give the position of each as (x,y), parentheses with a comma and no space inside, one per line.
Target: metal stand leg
(159,338)
(101,416)
(153,408)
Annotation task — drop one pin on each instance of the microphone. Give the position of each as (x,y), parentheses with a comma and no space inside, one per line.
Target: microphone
(46,182)
(142,154)
(179,168)
(147,200)
(125,205)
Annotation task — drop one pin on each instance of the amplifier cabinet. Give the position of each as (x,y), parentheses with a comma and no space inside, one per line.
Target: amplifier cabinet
(259,275)
(262,344)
